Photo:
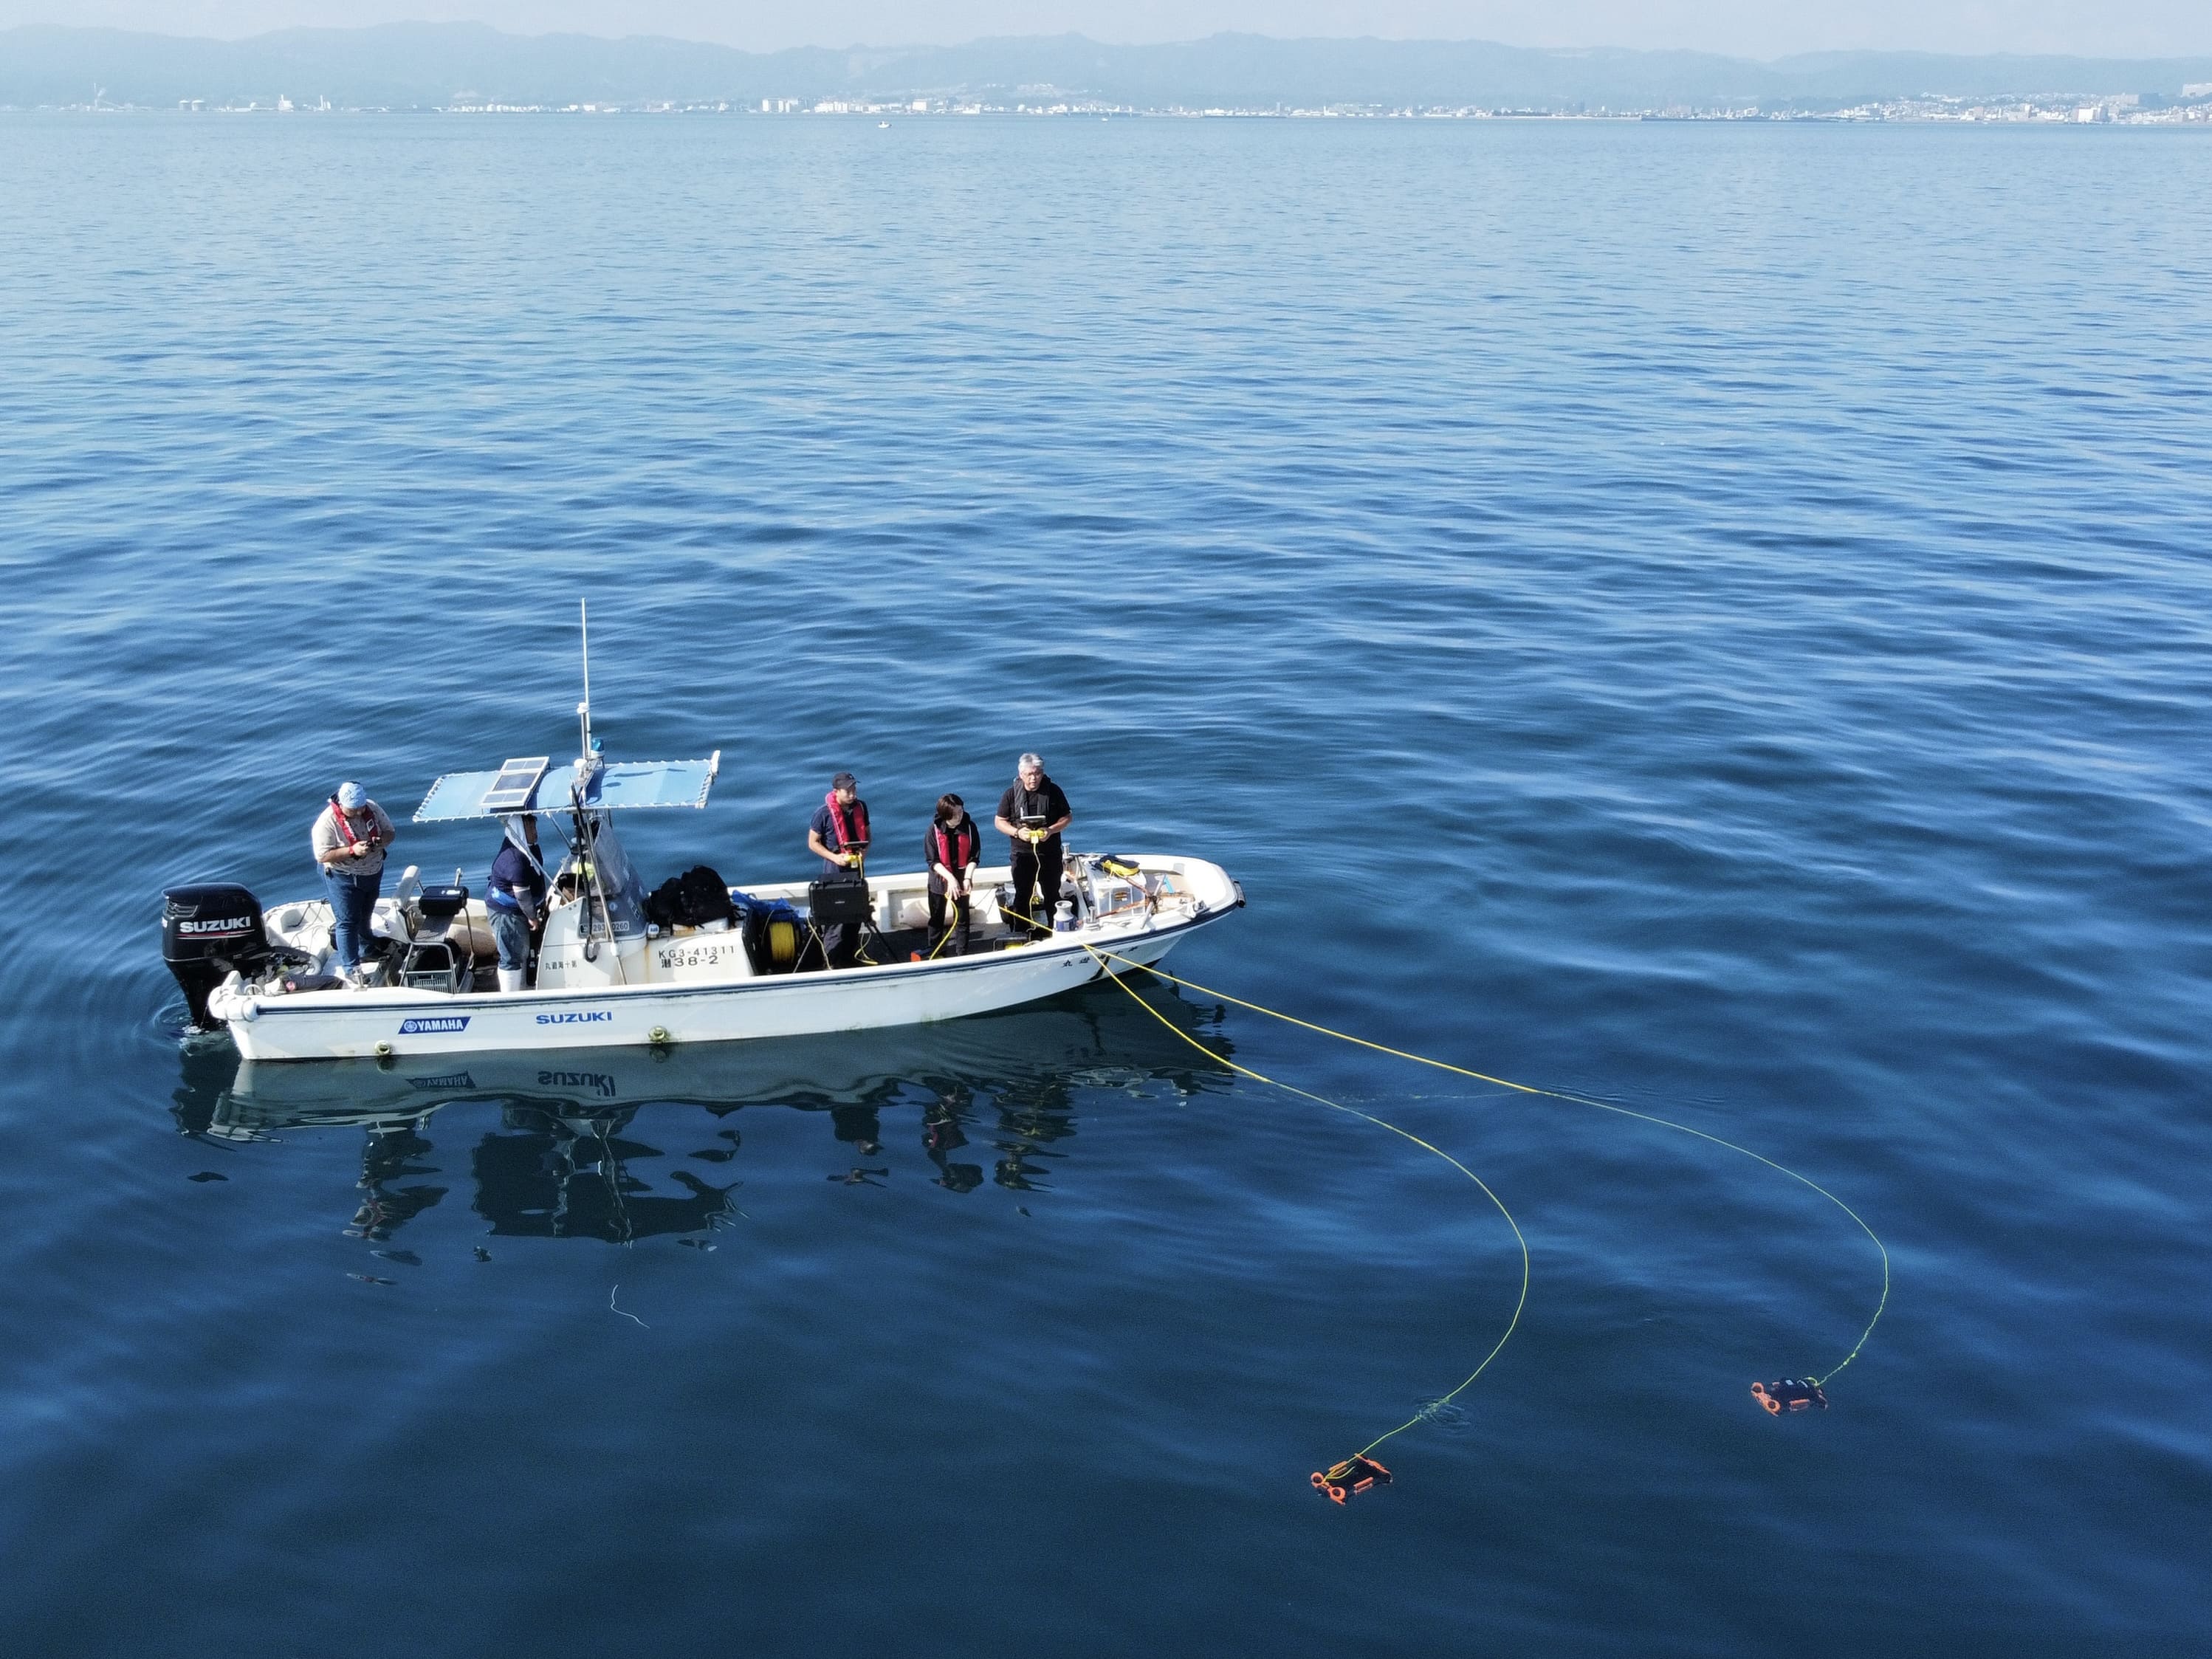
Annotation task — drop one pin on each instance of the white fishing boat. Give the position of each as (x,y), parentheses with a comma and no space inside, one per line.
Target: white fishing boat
(610,974)
(1104,1039)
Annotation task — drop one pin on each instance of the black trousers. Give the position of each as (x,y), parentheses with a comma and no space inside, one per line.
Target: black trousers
(937,903)
(1038,867)
(841,943)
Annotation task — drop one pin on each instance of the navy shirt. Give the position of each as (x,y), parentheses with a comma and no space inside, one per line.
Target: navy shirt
(825,824)
(514,885)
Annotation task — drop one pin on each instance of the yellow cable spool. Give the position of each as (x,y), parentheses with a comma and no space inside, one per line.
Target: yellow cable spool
(782,944)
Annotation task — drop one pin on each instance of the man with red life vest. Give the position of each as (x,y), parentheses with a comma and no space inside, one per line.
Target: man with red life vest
(1031,814)
(950,849)
(349,838)
(838,835)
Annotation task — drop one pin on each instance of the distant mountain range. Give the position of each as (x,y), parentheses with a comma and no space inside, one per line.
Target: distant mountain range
(402,65)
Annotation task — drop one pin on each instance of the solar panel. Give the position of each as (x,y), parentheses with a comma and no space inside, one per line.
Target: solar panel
(511,790)
(618,785)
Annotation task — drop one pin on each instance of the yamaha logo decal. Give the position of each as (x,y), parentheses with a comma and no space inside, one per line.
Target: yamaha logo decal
(435,1023)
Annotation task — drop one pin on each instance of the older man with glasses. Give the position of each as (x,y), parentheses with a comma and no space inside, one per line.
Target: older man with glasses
(1031,814)
(349,839)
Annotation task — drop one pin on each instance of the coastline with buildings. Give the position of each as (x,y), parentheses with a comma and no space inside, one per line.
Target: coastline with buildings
(471,69)
(2109,109)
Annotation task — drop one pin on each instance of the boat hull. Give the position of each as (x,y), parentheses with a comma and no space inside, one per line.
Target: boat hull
(393,1021)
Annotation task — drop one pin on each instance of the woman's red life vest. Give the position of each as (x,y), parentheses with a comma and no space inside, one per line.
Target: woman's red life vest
(853,832)
(961,841)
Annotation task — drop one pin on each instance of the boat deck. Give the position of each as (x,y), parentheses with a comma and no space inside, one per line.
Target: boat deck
(899,945)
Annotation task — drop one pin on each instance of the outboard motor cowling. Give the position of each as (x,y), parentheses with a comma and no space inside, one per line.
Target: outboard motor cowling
(207,934)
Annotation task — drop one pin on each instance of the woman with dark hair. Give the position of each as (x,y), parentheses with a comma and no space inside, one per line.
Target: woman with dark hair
(951,847)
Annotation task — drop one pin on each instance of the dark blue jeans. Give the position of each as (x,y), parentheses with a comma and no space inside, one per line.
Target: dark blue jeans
(352,898)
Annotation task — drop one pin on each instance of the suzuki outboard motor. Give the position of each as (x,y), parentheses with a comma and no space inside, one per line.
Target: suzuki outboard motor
(207,933)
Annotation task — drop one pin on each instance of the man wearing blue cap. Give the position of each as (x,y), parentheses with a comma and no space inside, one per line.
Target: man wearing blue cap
(349,839)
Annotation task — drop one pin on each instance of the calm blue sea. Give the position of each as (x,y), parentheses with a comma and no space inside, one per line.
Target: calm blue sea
(1711,617)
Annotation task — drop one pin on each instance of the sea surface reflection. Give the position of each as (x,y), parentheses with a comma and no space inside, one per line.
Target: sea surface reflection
(561,1145)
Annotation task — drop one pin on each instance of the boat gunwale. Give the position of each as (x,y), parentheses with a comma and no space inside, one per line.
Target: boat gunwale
(385,1000)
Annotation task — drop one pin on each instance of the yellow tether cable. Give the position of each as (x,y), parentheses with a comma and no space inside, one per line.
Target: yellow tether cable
(950,925)
(1511,1324)
(1555,1094)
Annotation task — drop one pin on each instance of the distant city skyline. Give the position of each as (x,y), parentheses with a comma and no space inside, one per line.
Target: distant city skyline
(1750,28)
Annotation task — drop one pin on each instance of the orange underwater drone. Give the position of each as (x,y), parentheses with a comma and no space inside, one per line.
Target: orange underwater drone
(1791,1393)
(1354,1474)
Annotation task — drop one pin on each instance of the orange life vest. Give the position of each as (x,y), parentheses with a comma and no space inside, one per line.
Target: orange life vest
(345,829)
(961,841)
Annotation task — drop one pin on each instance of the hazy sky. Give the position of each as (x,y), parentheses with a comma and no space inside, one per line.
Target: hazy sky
(1756,28)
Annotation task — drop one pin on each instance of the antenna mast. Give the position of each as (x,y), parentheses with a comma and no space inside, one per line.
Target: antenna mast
(584,709)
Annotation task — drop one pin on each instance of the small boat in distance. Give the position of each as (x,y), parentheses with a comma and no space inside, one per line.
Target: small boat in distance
(611,974)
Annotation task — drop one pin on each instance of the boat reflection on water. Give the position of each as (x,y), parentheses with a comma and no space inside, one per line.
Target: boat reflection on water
(559,1162)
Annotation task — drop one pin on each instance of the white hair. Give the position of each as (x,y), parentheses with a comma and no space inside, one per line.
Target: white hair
(1036,760)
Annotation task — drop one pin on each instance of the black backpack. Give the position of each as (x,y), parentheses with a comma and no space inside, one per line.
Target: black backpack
(693,899)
